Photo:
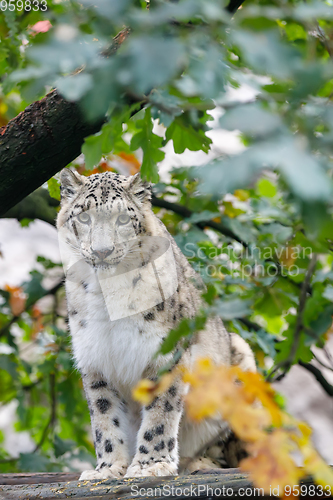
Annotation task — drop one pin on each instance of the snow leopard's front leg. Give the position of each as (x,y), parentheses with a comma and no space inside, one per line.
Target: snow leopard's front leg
(109,424)
(157,441)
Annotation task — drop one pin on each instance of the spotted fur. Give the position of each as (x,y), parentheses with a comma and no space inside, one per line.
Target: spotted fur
(119,315)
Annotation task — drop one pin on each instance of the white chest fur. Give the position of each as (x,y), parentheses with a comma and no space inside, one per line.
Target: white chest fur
(120,350)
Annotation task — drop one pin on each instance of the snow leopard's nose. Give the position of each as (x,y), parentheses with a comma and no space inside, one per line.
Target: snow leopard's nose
(103,253)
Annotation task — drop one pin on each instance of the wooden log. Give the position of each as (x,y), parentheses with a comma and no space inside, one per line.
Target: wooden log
(227,483)
(38,477)
(182,487)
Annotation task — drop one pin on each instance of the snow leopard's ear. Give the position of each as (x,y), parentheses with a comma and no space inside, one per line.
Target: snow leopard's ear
(71,183)
(138,188)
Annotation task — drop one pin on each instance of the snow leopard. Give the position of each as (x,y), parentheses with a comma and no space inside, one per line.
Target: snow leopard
(127,286)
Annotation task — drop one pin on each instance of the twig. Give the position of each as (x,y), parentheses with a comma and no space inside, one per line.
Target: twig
(250,324)
(52,419)
(328,355)
(321,363)
(328,388)
(285,364)
(321,35)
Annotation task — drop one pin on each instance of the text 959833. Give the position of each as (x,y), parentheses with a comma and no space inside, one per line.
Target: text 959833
(23,5)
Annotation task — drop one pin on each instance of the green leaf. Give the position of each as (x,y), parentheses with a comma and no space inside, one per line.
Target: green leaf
(165,107)
(62,446)
(206,75)
(266,53)
(202,216)
(230,309)
(33,462)
(185,328)
(266,188)
(25,222)
(92,150)
(150,144)
(47,263)
(251,119)
(323,323)
(149,61)
(266,342)
(8,364)
(328,293)
(54,188)
(111,9)
(185,136)
(302,171)
(34,288)
(313,10)
(74,87)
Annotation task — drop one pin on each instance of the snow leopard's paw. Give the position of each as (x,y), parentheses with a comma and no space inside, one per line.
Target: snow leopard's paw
(158,469)
(116,471)
(91,475)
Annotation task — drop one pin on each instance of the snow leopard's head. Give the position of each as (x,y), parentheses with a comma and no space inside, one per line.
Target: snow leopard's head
(103,217)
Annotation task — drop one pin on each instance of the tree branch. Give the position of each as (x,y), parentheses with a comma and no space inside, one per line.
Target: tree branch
(37,143)
(285,364)
(37,205)
(185,212)
(42,140)
(328,388)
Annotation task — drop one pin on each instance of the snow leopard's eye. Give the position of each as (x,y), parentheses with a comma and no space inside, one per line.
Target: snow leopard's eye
(84,218)
(123,219)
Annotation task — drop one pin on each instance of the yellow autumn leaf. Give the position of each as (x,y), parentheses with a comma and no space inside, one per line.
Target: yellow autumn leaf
(313,464)
(247,422)
(288,256)
(204,368)
(146,390)
(271,465)
(242,194)
(256,386)
(231,211)
(215,391)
